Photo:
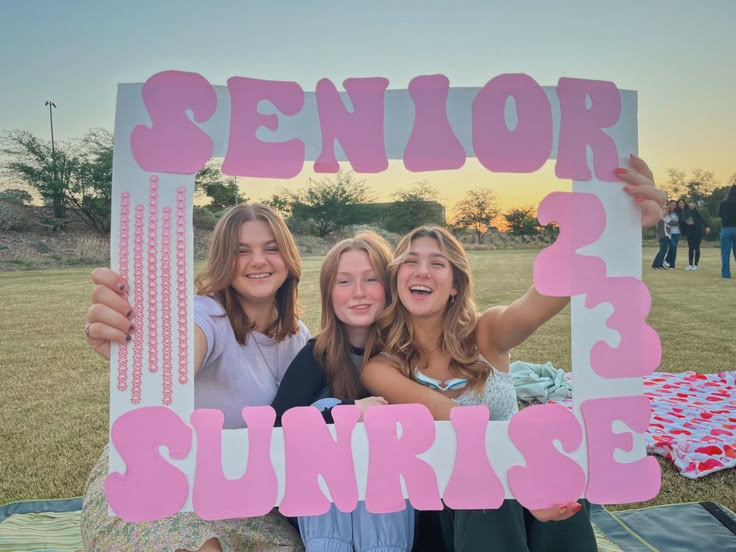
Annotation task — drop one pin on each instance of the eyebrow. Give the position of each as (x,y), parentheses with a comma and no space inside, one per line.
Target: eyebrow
(265,244)
(433,255)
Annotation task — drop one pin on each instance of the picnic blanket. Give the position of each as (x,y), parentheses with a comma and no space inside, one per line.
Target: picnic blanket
(693,420)
(41,525)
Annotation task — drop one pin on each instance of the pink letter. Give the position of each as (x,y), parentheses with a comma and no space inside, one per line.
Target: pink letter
(521,150)
(247,155)
(549,477)
(611,482)
(432,145)
(558,270)
(473,484)
(254,494)
(360,133)
(581,126)
(311,451)
(173,143)
(391,457)
(151,488)
(640,350)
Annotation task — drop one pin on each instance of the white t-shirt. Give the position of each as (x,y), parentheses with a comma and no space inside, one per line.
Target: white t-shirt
(233,375)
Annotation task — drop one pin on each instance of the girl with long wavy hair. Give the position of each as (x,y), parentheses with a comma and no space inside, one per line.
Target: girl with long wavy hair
(438,351)
(247,332)
(354,288)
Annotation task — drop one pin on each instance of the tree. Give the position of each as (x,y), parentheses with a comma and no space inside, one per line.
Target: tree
(32,162)
(328,202)
(223,192)
(281,202)
(76,174)
(522,221)
(696,187)
(476,211)
(414,207)
(16,196)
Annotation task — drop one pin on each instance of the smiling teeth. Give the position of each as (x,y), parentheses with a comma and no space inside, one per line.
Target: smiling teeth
(420,288)
(258,276)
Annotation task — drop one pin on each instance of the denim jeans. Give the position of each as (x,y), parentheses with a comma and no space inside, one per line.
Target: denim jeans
(664,243)
(672,254)
(728,246)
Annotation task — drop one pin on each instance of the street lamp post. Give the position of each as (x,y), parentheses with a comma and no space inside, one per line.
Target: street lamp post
(51,104)
(58,201)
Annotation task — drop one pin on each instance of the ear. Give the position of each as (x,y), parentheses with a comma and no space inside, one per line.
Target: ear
(453,292)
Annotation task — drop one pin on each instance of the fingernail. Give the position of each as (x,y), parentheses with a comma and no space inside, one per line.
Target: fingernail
(628,188)
(131,328)
(563,509)
(577,508)
(634,157)
(128,338)
(127,314)
(621,171)
(639,199)
(121,287)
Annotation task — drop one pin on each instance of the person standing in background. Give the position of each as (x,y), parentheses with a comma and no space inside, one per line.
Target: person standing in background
(727,212)
(672,220)
(696,228)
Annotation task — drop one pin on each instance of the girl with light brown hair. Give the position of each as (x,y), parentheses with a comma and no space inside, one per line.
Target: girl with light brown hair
(246,333)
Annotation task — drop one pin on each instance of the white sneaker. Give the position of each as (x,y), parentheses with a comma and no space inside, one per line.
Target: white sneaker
(666,264)
(695,267)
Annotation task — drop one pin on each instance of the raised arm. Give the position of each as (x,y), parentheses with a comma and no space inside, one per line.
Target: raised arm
(504,328)
(380,377)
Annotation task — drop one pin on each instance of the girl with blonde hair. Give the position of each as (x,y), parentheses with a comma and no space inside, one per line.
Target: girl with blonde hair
(247,332)
(439,352)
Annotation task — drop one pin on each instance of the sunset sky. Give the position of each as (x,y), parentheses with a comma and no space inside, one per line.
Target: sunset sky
(679,55)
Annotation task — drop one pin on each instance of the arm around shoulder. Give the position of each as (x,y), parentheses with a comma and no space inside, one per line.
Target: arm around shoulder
(383,379)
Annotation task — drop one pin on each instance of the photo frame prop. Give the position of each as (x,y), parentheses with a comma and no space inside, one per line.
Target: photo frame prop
(167,457)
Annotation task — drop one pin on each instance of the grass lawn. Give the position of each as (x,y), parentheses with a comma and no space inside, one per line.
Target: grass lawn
(54,391)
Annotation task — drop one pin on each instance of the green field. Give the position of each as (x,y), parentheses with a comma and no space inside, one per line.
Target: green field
(54,391)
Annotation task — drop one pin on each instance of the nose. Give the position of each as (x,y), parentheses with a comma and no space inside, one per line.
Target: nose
(422,268)
(258,258)
(359,290)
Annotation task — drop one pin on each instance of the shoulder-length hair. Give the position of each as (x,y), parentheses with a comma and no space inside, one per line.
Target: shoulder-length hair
(332,346)
(458,324)
(216,279)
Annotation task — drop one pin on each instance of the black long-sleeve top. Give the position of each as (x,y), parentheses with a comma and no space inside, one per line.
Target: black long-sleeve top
(305,382)
(727,212)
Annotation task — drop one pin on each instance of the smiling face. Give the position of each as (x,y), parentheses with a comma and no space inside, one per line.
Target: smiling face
(681,204)
(672,206)
(425,279)
(260,270)
(358,295)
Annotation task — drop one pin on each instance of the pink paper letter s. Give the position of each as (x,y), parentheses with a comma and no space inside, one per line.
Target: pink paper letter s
(253,494)
(391,457)
(174,144)
(151,488)
(549,477)
(310,451)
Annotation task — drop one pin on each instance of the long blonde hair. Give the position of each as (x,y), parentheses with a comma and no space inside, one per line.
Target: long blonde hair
(457,338)
(216,279)
(332,346)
